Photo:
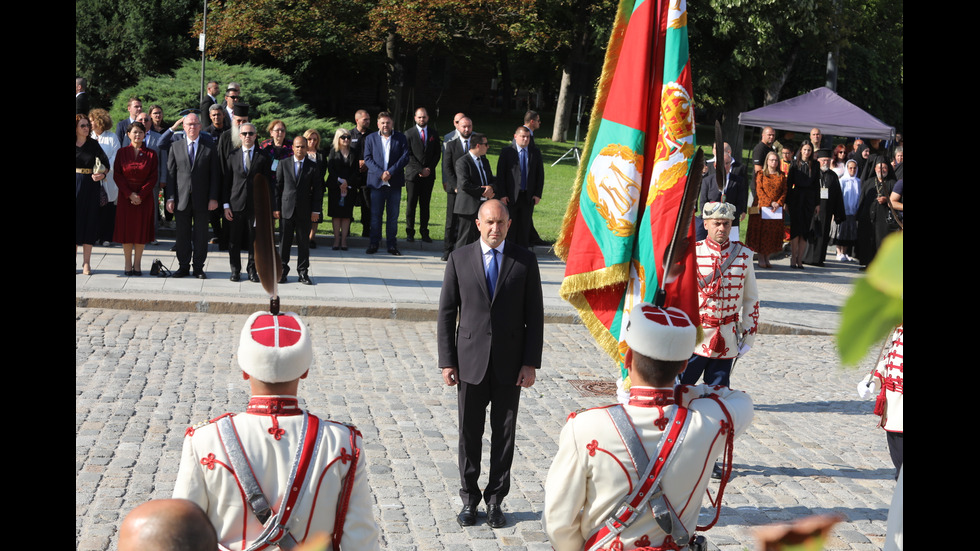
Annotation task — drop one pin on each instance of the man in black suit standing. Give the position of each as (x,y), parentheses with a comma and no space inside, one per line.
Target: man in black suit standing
(494,288)
(194,184)
(81,95)
(455,148)
(211,98)
(135,107)
(474,186)
(520,177)
(241,166)
(424,151)
(300,198)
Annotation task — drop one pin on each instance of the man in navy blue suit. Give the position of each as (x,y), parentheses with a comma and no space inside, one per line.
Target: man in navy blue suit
(385,155)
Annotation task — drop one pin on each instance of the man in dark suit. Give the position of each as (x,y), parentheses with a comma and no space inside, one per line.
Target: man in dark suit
(475,184)
(733,189)
(494,288)
(520,179)
(362,127)
(194,184)
(385,155)
(455,148)
(81,95)
(241,166)
(135,107)
(211,98)
(424,151)
(300,198)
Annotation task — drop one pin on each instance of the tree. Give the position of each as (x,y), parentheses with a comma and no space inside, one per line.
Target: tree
(119,41)
(270,94)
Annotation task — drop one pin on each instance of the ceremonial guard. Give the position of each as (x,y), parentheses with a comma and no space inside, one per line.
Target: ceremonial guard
(276,474)
(728,299)
(888,376)
(634,476)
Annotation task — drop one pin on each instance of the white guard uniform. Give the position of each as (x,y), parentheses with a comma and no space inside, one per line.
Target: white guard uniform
(890,373)
(270,442)
(592,471)
(729,305)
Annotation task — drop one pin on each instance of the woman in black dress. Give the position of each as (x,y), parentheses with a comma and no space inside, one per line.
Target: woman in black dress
(802,201)
(87,189)
(342,178)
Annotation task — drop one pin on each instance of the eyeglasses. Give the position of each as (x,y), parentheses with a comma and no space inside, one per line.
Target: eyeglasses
(85,125)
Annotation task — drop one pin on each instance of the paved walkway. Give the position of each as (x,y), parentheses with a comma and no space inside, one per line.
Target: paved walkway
(143,376)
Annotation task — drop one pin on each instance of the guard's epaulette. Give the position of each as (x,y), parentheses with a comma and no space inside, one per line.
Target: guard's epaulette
(348,425)
(576,412)
(190,430)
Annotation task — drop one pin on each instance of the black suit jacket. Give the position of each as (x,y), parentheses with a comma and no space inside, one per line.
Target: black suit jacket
(470,185)
(454,150)
(737,192)
(238,182)
(509,173)
(500,333)
(420,157)
(206,104)
(193,186)
(298,197)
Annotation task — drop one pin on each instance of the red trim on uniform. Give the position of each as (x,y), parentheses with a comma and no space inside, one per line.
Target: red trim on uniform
(273,405)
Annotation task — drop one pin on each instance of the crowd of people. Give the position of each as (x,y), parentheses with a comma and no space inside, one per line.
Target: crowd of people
(810,195)
(206,176)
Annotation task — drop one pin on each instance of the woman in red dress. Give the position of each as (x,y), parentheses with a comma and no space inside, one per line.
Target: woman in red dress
(135,172)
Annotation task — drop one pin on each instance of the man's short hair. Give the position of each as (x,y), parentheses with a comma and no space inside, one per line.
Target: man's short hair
(216,107)
(521,130)
(658,372)
(131,100)
(385,115)
(80,81)
(530,116)
(476,138)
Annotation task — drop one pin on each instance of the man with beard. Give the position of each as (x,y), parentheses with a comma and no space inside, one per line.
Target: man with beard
(455,148)
(875,219)
(763,148)
(830,206)
(232,140)
(420,173)
(385,154)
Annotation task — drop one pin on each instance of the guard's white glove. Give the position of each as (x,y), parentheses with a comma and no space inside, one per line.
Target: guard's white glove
(866,388)
(743,350)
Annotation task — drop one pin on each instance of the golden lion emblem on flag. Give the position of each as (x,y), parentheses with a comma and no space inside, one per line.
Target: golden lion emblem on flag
(613,184)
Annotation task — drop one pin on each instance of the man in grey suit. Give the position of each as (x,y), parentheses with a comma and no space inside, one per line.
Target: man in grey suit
(194,176)
(300,198)
(474,185)
(493,288)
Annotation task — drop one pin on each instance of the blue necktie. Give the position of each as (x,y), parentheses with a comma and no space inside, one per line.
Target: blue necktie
(524,170)
(492,271)
(190,153)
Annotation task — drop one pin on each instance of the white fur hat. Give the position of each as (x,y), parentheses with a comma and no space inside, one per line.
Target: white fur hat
(275,349)
(660,333)
(714,210)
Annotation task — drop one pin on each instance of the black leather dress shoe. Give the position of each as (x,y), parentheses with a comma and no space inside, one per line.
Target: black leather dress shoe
(372,249)
(445,257)
(410,239)
(467,516)
(285,271)
(236,276)
(200,275)
(426,239)
(253,277)
(305,279)
(495,517)
(182,272)
(394,251)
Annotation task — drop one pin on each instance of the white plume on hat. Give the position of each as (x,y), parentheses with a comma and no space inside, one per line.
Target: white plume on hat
(275,349)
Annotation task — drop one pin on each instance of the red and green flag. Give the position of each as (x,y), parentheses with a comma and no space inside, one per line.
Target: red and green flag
(637,154)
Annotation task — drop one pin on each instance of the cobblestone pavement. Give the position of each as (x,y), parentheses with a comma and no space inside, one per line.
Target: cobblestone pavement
(142,377)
